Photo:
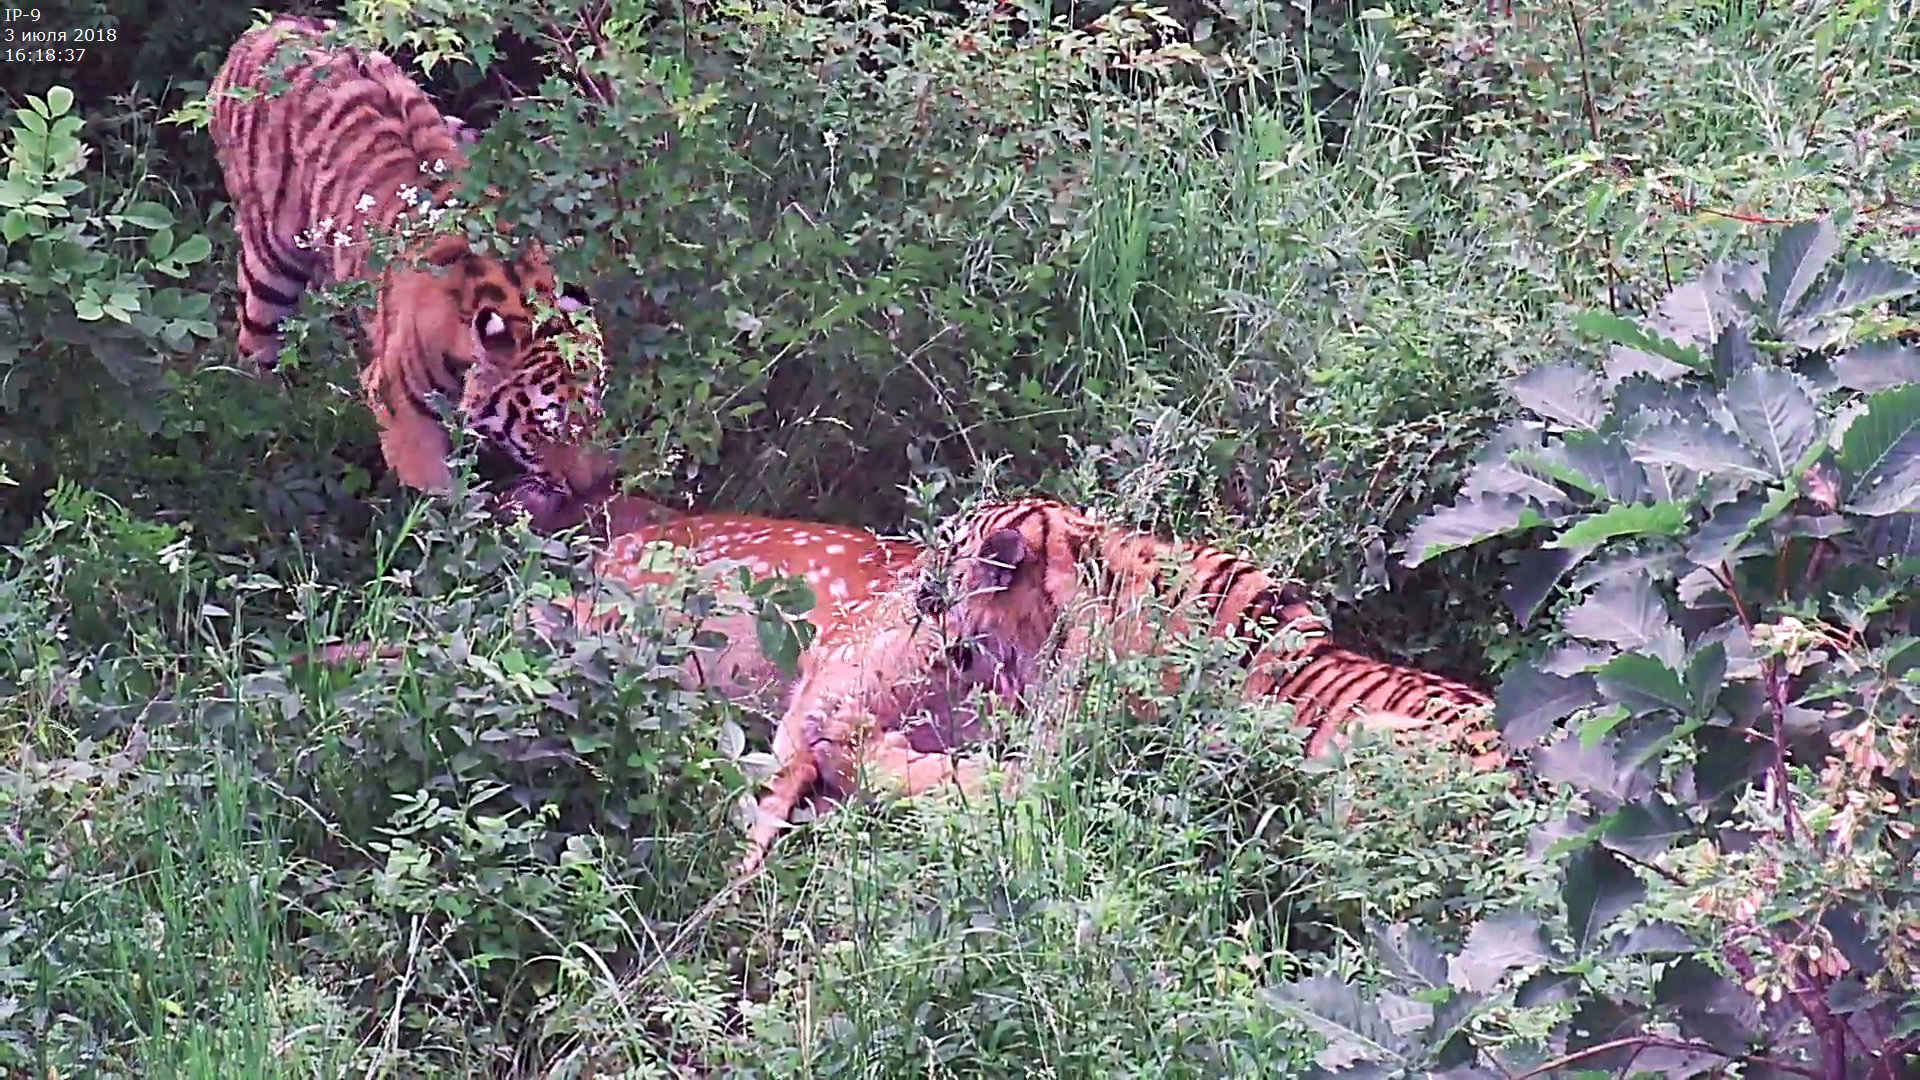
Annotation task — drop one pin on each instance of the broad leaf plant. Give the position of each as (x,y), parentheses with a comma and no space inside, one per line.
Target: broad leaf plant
(1718,519)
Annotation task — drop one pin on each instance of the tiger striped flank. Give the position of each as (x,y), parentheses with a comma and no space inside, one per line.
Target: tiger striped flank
(321,148)
(1016,569)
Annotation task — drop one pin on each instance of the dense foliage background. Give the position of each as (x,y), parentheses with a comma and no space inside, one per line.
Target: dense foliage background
(1275,274)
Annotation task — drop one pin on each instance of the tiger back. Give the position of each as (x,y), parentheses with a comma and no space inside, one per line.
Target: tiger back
(323,146)
(1015,570)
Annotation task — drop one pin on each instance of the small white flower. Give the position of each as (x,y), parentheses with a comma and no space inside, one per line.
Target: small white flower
(833,139)
(365,204)
(341,239)
(439,166)
(326,224)
(302,241)
(409,193)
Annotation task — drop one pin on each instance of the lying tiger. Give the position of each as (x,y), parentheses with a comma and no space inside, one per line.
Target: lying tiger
(987,610)
(320,146)
(1017,568)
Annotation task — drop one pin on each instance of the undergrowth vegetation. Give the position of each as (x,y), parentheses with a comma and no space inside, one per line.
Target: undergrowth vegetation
(1570,348)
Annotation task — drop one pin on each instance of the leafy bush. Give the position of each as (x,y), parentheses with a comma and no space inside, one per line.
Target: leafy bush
(1731,502)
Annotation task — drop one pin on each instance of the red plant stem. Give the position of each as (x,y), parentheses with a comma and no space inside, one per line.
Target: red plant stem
(1811,999)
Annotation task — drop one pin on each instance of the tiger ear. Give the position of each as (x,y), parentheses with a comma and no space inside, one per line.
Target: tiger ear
(1000,556)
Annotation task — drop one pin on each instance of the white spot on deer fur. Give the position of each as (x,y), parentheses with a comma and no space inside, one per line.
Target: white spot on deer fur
(836,549)
(837,590)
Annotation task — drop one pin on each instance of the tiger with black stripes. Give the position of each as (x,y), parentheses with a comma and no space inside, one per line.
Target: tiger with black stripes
(321,146)
(1032,578)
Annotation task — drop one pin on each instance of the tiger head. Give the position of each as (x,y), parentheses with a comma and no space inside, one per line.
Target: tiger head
(534,392)
(1015,569)
(521,354)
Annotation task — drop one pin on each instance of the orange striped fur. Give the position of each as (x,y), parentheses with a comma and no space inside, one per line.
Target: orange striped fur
(324,146)
(1018,568)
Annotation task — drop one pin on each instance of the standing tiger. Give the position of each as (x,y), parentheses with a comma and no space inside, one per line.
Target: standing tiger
(1016,569)
(321,146)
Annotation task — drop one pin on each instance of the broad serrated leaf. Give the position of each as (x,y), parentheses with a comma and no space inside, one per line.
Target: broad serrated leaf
(1495,946)
(1660,560)
(1636,338)
(1732,523)
(1626,612)
(1532,577)
(1653,939)
(1868,281)
(1468,522)
(1408,953)
(1776,414)
(1799,255)
(1642,684)
(1598,888)
(1640,519)
(1710,1007)
(1530,701)
(1645,829)
(1706,674)
(1879,365)
(1599,465)
(1595,770)
(1353,1029)
(1881,454)
(1575,658)
(1698,446)
(1565,393)
(1733,353)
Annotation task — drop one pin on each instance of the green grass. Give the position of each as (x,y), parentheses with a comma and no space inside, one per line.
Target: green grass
(213,865)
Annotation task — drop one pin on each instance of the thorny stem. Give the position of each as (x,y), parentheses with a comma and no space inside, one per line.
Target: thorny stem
(1812,1001)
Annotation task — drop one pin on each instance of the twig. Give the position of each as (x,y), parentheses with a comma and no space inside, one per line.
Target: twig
(1593,131)
(1644,1041)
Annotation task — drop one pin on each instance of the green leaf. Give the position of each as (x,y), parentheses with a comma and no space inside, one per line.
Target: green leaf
(32,121)
(1626,612)
(1406,952)
(1710,1007)
(1598,888)
(1533,576)
(149,215)
(1799,254)
(1645,829)
(1468,522)
(778,642)
(193,249)
(1619,331)
(1656,519)
(1881,453)
(1706,674)
(160,244)
(1723,533)
(1868,281)
(1354,1029)
(1530,701)
(1700,446)
(1599,465)
(1495,946)
(1776,414)
(1566,393)
(59,100)
(1880,365)
(1643,685)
